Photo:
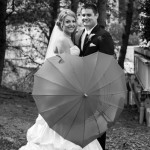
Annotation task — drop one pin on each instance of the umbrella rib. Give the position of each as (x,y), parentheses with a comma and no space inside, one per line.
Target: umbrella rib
(108,108)
(54,95)
(66,113)
(103,113)
(73,120)
(107,83)
(95,69)
(76,76)
(84,123)
(96,121)
(104,73)
(113,105)
(58,105)
(63,75)
(110,93)
(107,116)
(55,83)
(97,124)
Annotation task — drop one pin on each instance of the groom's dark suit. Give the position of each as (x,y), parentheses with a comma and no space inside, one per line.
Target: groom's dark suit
(99,40)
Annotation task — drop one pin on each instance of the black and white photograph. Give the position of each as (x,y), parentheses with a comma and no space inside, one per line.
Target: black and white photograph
(74,75)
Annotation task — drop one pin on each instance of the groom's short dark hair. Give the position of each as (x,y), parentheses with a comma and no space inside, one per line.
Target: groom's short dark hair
(90,6)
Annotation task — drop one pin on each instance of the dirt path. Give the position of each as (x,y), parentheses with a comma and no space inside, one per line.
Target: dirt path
(18,112)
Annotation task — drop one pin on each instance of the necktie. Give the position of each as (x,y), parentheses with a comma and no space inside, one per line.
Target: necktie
(85,40)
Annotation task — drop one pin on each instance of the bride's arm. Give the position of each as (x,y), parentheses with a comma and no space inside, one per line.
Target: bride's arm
(65,46)
(62,46)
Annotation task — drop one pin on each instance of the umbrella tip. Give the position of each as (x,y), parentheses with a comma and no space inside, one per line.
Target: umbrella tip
(85,95)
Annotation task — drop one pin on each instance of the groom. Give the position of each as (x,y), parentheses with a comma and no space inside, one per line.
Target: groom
(93,38)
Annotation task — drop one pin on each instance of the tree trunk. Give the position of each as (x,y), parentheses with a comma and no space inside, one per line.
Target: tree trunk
(3,6)
(122,9)
(55,5)
(74,5)
(101,4)
(125,36)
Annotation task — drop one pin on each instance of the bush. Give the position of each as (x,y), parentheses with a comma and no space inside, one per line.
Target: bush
(145,20)
(134,39)
(116,31)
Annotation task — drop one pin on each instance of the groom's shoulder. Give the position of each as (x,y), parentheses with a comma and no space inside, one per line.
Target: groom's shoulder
(79,30)
(102,31)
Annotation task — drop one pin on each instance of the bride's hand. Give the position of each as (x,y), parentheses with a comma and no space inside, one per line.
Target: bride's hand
(74,50)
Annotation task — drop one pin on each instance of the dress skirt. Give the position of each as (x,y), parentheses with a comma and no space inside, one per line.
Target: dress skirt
(41,137)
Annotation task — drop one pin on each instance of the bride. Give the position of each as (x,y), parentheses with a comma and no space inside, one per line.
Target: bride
(40,136)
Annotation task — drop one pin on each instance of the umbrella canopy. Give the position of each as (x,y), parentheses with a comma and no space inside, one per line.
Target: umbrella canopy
(79,97)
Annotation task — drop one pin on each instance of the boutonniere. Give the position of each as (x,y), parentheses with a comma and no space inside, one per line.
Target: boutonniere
(100,38)
(90,36)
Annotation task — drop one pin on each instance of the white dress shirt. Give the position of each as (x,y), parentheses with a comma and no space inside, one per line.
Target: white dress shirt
(84,34)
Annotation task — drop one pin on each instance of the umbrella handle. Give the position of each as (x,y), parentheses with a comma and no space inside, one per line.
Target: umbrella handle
(61,60)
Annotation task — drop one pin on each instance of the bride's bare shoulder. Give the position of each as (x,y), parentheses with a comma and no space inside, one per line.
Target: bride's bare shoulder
(63,40)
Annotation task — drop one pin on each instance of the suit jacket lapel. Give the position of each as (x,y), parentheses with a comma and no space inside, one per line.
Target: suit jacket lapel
(79,35)
(96,28)
(94,31)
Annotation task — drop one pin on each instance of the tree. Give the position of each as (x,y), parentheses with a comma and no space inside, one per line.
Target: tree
(145,20)
(35,14)
(22,14)
(102,8)
(122,9)
(55,5)
(125,36)
(101,4)
(3,6)
(74,5)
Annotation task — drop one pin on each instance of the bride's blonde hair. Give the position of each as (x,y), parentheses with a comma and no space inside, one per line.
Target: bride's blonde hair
(62,15)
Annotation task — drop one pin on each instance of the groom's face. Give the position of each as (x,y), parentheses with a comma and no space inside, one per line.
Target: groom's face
(89,18)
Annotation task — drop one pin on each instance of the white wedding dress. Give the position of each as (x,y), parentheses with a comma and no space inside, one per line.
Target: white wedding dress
(40,136)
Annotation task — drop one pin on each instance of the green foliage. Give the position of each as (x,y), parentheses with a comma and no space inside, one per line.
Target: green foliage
(145,20)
